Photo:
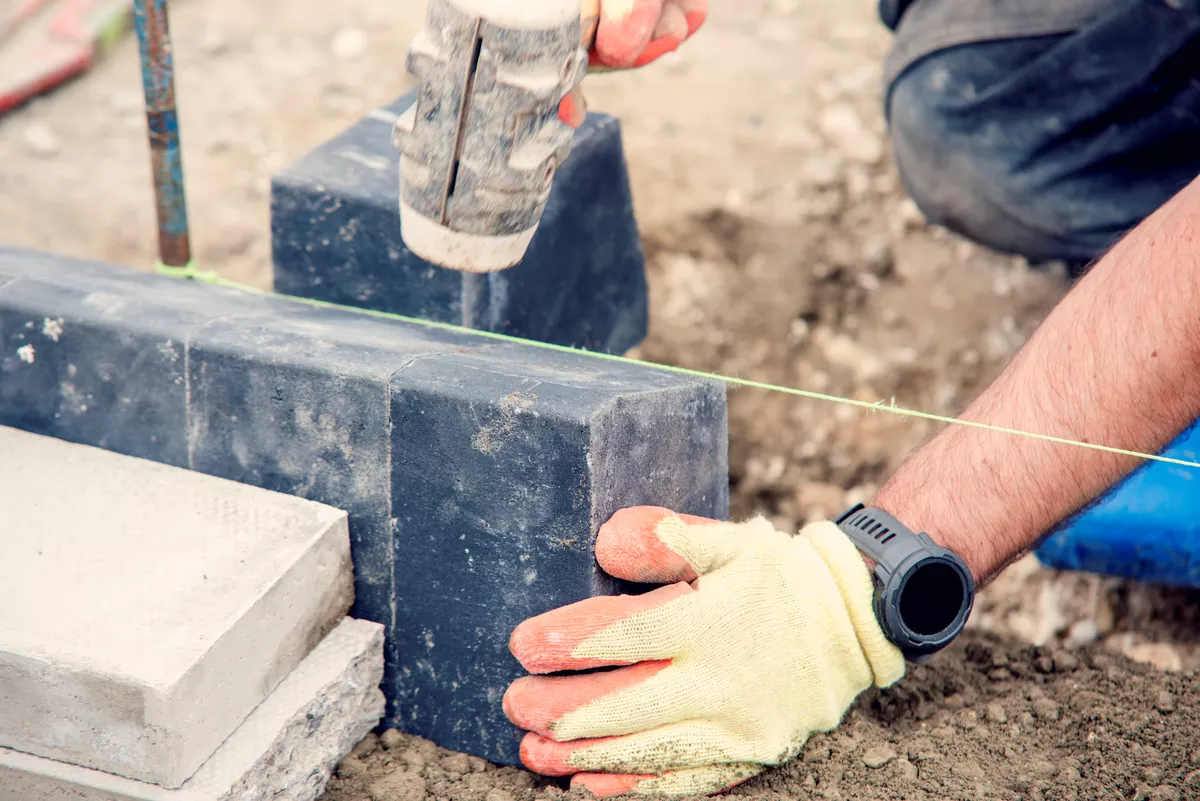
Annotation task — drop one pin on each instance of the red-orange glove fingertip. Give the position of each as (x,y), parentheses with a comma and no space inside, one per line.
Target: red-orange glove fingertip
(537,703)
(657,49)
(603,785)
(572,110)
(546,643)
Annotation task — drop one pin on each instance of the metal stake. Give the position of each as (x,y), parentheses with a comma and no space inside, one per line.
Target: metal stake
(158,80)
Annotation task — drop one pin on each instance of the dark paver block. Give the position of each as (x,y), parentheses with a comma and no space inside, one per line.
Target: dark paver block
(475,473)
(335,226)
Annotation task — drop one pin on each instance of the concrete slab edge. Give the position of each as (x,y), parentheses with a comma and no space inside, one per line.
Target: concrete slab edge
(287,748)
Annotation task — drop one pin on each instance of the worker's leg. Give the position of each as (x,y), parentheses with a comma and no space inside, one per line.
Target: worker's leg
(1053,146)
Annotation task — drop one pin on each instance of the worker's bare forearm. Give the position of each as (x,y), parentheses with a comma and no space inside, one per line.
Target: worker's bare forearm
(1116,363)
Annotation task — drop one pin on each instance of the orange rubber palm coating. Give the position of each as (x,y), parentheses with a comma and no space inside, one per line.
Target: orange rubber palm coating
(627,547)
(626,34)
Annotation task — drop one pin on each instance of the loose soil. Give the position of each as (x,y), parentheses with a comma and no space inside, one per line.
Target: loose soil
(986,719)
(780,247)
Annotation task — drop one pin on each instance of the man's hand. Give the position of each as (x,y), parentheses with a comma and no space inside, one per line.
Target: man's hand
(624,34)
(758,640)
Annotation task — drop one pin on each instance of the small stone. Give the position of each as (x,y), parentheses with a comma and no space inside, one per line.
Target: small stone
(349,43)
(878,756)
(969,719)
(1025,719)
(906,216)
(352,767)
(1044,664)
(1164,702)
(1069,774)
(1065,662)
(905,769)
(816,756)
(392,738)
(1086,700)
(414,760)
(1082,632)
(877,256)
(41,141)
(999,674)
(397,786)
(996,713)
(1159,654)
(819,172)
(844,129)
(1046,710)
(496,794)
(1153,775)
(366,746)
(457,763)
(478,765)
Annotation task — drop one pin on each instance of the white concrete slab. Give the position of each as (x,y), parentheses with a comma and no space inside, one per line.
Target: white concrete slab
(146,609)
(286,749)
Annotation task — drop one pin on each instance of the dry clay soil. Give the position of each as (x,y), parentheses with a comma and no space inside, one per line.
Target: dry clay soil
(780,247)
(983,720)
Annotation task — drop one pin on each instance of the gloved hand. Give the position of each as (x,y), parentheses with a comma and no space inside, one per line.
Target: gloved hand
(623,34)
(762,639)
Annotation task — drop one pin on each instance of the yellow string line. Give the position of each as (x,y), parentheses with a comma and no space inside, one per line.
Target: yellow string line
(209,277)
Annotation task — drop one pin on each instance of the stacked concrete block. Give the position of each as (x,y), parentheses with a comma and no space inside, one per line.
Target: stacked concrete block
(474,473)
(335,223)
(149,610)
(287,748)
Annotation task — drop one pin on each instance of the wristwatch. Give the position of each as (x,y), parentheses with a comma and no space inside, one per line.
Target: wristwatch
(923,592)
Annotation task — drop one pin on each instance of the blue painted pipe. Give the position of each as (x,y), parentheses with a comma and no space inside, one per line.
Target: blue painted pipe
(158,81)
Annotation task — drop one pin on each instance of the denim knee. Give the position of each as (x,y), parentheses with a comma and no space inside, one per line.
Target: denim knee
(977,170)
(1009,144)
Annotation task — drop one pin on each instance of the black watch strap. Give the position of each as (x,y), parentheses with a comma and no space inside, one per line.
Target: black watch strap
(923,592)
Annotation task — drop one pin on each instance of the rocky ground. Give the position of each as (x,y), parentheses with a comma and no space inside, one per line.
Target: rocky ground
(781,248)
(983,720)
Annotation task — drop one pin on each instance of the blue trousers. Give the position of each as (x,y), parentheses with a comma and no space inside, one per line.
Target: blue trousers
(1053,146)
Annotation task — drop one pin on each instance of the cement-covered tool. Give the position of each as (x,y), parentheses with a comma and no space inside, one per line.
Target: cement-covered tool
(480,147)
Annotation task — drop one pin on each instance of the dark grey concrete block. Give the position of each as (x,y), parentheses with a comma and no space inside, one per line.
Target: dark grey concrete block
(475,473)
(505,487)
(335,225)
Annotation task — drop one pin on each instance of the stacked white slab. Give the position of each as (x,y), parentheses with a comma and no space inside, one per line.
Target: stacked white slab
(147,611)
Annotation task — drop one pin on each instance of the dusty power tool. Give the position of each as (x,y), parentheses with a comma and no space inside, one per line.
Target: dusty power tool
(480,147)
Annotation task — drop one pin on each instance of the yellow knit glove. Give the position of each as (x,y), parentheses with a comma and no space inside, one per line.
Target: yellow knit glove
(763,639)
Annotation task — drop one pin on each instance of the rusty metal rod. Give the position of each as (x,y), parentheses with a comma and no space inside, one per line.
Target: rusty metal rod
(158,80)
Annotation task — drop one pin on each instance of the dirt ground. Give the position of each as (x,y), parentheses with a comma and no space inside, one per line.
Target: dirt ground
(984,720)
(781,247)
